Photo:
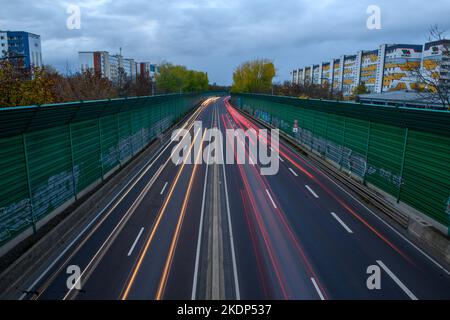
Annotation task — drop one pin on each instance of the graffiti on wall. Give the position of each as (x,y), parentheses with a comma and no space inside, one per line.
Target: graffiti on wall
(127,146)
(57,190)
(14,217)
(344,156)
(46,197)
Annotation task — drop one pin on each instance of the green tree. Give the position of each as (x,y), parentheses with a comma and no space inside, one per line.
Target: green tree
(174,78)
(254,76)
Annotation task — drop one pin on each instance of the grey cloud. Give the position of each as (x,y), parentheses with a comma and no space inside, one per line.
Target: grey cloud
(217,35)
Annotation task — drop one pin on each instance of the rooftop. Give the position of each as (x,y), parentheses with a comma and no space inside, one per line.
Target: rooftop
(403,97)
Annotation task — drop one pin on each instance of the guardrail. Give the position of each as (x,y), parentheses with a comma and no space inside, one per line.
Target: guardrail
(51,155)
(402,152)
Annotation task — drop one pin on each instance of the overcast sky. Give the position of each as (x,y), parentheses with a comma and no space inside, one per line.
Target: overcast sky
(217,35)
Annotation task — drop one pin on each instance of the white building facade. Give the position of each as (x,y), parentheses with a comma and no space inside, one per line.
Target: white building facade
(108,66)
(388,68)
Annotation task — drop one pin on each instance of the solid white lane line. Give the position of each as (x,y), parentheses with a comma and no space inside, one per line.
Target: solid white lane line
(270,197)
(312,191)
(114,234)
(397,280)
(164,188)
(341,222)
(293,172)
(317,289)
(230,228)
(200,229)
(135,242)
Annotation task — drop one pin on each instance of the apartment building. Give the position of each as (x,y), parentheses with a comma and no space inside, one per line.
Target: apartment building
(110,66)
(115,61)
(129,66)
(369,69)
(397,64)
(336,84)
(315,77)
(388,68)
(349,75)
(143,68)
(436,61)
(23,49)
(97,61)
(326,73)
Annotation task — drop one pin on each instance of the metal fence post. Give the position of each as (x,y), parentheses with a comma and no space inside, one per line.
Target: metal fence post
(301,121)
(130,116)
(369,132)
(271,112)
(118,139)
(326,136)
(100,142)
(141,129)
(160,118)
(313,131)
(402,165)
(343,143)
(27,169)
(73,162)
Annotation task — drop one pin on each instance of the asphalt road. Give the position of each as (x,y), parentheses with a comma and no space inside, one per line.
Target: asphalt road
(198,231)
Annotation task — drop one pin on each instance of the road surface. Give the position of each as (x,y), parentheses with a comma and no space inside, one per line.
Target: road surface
(224,231)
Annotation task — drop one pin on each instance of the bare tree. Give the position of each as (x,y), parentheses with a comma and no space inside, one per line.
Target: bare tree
(307,90)
(432,80)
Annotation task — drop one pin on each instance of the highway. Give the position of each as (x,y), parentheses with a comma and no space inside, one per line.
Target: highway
(224,231)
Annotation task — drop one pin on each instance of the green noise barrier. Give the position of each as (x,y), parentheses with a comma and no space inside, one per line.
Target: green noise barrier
(50,155)
(403,151)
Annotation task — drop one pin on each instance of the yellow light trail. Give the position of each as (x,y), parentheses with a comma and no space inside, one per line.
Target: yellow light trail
(155,226)
(165,274)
